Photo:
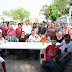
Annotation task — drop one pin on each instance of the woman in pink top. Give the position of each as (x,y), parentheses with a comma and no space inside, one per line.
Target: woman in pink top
(13,31)
(66,30)
(4,29)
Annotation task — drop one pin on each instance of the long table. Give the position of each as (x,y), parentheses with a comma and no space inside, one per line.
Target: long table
(26,45)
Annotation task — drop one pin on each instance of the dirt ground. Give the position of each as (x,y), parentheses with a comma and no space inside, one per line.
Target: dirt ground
(26,65)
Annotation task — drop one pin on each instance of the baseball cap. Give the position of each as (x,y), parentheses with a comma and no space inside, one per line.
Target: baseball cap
(41,22)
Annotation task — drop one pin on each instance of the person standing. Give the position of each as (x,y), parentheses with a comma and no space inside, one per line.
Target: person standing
(14,25)
(19,30)
(4,30)
(51,31)
(66,30)
(27,28)
(42,29)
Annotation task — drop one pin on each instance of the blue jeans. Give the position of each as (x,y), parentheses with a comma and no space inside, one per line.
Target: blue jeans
(63,63)
(51,64)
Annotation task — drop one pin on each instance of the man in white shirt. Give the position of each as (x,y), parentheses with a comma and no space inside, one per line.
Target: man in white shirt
(14,25)
(32,36)
(27,28)
(32,39)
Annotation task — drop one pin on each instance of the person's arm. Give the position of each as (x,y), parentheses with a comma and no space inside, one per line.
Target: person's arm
(66,55)
(17,40)
(6,38)
(37,31)
(26,40)
(45,33)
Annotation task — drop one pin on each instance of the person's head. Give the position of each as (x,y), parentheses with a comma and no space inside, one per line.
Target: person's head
(43,36)
(53,41)
(44,23)
(37,24)
(49,22)
(40,34)
(41,24)
(22,23)
(4,24)
(61,21)
(58,24)
(66,25)
(48,38)
(19,25)
(62,25)
(10,33)
(14,23)
(67,38)
(22,33)
(32,32)
(70,33)
(27,22)
(52,24)
(11,28)
(36,37)
(59,34)
(34,25)
(0,34)
(9,23)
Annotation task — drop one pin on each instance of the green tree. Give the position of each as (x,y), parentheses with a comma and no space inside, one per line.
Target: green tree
(2,18)
(62,6)
(50,12)
(18,13)
(7,13)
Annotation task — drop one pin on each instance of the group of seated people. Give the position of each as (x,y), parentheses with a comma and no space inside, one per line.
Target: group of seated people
(60,54)
(36,32)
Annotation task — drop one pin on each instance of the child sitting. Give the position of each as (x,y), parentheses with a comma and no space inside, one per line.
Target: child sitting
(48,39)
(37,38)
(43,39)
(51,53)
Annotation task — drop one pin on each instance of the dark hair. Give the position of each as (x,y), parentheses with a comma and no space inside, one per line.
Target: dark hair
(67,35)
(10,31)
(32,30)
(22,31)
(34,23)
(54,39)
(19,24)
(43,21)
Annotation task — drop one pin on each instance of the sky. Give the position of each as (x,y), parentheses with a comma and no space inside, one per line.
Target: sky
(33,6)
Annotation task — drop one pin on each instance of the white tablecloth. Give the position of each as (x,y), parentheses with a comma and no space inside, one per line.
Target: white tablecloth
(24,45)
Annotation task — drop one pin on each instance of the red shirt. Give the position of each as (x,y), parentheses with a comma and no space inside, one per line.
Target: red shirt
(4,31)
(51,52)
(18,31)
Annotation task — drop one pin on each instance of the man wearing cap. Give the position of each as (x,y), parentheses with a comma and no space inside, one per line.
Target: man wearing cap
(42,29)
